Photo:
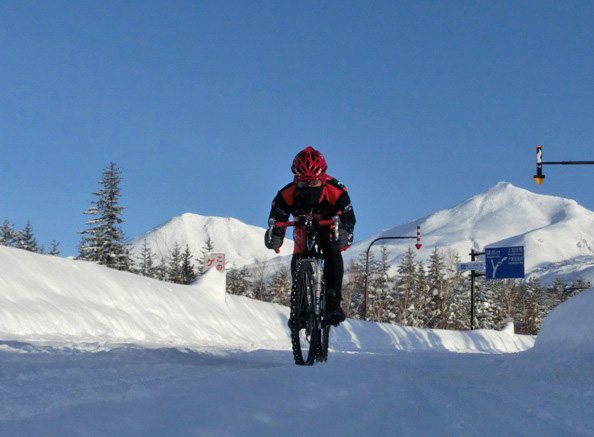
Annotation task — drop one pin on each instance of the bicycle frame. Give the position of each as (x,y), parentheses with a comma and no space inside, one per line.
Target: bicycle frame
(312,256)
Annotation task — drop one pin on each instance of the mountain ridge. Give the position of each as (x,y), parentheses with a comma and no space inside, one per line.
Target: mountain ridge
(555,231)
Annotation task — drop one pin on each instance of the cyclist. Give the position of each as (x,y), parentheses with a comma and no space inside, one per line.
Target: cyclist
(314,191)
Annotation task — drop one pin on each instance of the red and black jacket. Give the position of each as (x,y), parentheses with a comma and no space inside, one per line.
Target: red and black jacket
(335,200)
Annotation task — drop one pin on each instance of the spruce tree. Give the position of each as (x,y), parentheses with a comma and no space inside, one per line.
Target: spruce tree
(104,242)
(419,314)
(352,289)
(161,270)
(358,277)
(7,234)
(533,307)
(406,288)
(146,266)
(280,287)
(238,282)
(54,248)
(259,288)
(26,240)
(382,299)
(206,249)
(174,266)
(458,303)
(188,273)
(438,292)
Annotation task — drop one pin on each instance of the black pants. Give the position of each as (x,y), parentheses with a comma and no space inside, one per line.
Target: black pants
(333,267)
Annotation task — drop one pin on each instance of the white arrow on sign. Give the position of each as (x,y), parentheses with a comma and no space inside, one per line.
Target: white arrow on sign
(473,265)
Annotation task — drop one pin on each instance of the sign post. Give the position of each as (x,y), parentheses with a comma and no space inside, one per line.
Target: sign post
(500,263)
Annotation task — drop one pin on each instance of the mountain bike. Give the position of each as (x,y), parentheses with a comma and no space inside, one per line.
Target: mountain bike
(308,323)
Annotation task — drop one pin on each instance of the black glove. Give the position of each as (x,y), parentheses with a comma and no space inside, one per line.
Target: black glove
(274,240)
(345,239)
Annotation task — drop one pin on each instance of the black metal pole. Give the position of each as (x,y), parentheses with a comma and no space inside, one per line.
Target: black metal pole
(539,177)
(367,267)
(472,292)
(473,274)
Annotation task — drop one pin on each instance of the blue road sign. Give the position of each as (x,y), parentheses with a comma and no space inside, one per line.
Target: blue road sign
(504,262)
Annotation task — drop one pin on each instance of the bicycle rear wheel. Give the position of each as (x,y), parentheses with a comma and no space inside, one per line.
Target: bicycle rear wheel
(305,329)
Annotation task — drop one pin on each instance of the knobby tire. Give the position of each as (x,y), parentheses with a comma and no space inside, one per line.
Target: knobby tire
(308,338)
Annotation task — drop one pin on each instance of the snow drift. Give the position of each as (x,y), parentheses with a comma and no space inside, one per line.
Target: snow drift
(58,301)
(570,326)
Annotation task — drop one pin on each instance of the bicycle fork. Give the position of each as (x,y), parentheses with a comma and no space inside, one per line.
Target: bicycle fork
(318,268)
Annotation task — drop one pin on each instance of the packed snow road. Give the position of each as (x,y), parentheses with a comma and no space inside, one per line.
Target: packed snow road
(136,391)
(199,362)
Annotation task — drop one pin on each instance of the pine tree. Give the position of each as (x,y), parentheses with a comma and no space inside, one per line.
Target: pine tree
(54,248)
(381,294)
(104,240)
(7,234)
(188,274)
(26,240)
(207,249)
(280,287)
(406,288)
(419,314)
(458,303)
(259,288)
(161,270)
(532,308)
(174,266)
(238,281)
(147,265)
(361,277)
(490,310)
(353,289)
(510,300)
(438,292)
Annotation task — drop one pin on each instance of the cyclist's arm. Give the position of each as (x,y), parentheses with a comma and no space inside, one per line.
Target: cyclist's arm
(279,211)
(347,216)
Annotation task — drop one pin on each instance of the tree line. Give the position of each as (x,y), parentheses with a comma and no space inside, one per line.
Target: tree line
(435,295)
(24,239)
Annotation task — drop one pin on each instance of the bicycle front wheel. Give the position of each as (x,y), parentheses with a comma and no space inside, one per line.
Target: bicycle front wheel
(304,325)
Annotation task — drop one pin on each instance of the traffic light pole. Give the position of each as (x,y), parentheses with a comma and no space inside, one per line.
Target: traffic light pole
(418,246)
(539,177)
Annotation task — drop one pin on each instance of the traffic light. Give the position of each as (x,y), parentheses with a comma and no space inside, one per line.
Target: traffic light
(539,177)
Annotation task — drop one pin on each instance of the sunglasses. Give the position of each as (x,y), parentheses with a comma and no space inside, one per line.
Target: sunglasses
(309,183)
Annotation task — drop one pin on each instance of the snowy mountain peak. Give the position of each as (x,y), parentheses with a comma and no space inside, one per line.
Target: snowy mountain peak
(552,229)
(242,244)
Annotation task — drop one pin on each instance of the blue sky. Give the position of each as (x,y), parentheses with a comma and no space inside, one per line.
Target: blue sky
(203,105)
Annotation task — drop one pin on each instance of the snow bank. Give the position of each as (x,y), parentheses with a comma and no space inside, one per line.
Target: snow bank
(52,300)
(569,326)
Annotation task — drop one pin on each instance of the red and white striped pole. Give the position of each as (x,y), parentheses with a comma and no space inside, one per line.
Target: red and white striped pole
(418,245)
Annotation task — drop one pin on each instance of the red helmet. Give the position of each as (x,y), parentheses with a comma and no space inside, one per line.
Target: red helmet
(309,164)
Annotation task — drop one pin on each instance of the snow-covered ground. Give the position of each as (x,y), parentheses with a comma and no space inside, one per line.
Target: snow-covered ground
(86,350)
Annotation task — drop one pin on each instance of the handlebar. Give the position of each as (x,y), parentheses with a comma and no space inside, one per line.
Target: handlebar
(332,223)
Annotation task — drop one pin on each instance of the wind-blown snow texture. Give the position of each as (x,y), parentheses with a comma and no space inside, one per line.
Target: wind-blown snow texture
(90,351)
